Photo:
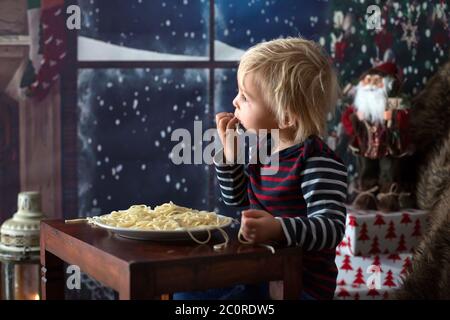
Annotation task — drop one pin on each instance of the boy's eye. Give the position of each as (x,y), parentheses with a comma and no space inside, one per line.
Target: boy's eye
(243,97)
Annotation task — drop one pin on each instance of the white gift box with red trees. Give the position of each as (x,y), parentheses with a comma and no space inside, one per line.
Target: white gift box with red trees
(376,252)
(370,278)
(372,232)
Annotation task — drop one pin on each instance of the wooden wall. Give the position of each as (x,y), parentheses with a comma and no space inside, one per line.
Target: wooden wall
(40,150)
(39,123)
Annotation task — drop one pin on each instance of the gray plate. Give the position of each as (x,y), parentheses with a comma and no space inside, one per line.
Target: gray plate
(200,233)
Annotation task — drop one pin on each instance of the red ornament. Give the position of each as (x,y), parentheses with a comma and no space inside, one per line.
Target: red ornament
(440,38)
(339,50)
(383,41)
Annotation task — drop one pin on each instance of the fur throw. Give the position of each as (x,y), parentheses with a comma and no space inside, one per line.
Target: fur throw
(431,112)
(430,274)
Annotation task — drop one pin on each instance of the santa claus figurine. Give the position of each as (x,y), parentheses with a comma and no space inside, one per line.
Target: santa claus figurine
(377,124)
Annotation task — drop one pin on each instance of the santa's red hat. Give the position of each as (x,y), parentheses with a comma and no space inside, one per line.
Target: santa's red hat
(387,69)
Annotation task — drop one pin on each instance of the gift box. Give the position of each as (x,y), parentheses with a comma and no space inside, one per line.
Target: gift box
(370,232)
(370,278)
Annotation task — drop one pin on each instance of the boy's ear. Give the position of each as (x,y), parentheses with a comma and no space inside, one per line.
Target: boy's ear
(287,122)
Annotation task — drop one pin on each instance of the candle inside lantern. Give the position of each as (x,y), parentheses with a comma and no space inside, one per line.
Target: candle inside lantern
(26,281)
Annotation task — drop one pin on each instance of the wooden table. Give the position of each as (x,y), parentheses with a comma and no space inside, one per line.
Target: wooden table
(154,270)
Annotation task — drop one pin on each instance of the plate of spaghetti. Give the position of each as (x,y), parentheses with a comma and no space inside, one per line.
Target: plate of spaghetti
(164,222)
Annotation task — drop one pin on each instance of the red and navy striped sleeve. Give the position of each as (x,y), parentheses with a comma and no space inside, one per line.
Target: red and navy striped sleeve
(233,182)
(324,188)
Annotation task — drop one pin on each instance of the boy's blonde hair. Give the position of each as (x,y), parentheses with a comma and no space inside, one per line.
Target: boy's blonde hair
(296,80)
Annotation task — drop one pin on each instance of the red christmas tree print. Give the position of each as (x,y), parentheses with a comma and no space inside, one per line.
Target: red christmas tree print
(394,257)
(401,244)
(385,295)
(342,283)
(346,265)
(417,227)
(343,243)
(406,218)
(391,231)
(379,221)
(376,262)
(363,233)
(349,245)
(406,266)
(389,281)
(352,221)
(359,277)
(343,293)
(375,249)
(373,293)
(356,296)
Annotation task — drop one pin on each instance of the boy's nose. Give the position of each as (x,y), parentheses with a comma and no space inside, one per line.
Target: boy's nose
(235,103)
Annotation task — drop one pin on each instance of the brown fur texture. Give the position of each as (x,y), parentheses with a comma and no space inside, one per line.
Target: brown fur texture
(431,112)
(430,273)
(430,118)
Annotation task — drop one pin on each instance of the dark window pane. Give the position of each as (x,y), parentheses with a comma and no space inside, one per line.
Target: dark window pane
(144,30)
(126,117)
(242,24)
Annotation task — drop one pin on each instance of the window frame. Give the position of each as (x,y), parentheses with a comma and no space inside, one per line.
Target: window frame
(69,103)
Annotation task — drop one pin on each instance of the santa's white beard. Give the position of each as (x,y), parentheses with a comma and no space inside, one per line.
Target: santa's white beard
(371,102)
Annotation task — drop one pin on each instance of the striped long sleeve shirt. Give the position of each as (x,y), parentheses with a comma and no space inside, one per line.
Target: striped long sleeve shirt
(307,195)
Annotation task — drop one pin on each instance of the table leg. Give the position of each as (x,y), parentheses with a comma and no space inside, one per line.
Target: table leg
(52,276)
(292,279)
(139,285)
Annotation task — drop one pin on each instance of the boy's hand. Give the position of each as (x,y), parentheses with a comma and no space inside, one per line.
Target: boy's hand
(226,127)
(260,226)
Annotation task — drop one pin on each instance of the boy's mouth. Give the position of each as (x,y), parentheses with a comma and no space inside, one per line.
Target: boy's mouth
(240,129)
